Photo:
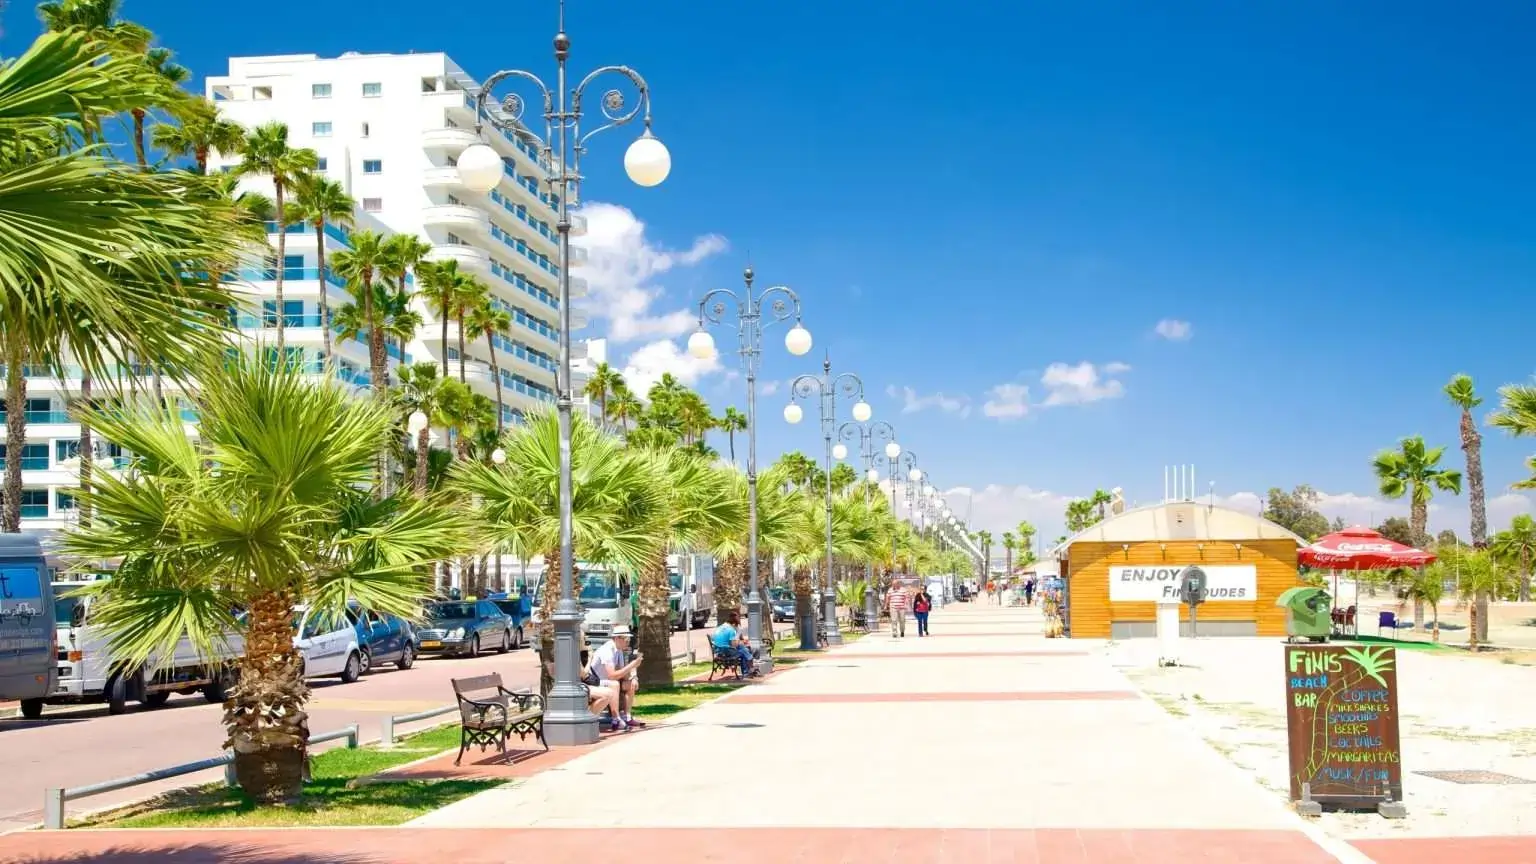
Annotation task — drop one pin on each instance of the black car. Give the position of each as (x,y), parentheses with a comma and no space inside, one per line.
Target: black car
(465,627)
(781,603)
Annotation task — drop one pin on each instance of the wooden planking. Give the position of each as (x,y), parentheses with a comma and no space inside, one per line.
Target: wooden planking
(1088,569)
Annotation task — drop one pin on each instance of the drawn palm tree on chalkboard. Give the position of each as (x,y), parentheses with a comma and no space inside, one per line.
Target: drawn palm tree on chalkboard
(1369,663)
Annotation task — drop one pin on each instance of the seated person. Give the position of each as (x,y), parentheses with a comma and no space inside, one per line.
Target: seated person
(727,638)
(599,699)
(611,672)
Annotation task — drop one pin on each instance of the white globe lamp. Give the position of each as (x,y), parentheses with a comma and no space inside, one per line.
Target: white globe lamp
(914,475)
(480,168)
(861,411)
(892,450)
(792,413)
(798,340)
(647,161)
(839,451)
(701,345)
(872,476)
(499,456)
(416,422)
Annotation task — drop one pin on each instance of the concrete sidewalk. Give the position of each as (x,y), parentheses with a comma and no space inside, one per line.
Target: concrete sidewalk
(985,742)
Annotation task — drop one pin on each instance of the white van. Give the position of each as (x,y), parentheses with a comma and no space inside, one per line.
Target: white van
(27,639)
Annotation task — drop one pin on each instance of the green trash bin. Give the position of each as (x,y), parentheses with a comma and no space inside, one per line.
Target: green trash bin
(1308,614)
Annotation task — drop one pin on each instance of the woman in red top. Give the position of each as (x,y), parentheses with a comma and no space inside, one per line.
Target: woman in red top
(922,604)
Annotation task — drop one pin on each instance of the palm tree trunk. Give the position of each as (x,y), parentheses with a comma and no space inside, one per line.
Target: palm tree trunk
(547,601)
(138,137)
(200,154)
(325,315)
(1472,443)
(730,436)
(730,584)
(282,253)
(444,310)
(496,379)
(15,433)
(423,442)
(1418,518)
(655,637)
(87,455)
(461,346)
(268,727)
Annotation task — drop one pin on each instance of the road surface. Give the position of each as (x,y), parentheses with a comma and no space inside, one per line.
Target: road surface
(77,745)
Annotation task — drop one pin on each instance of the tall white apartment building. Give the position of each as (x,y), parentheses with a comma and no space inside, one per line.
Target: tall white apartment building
(388,127)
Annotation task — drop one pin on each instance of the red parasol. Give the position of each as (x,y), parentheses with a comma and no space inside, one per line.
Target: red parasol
(1360,548)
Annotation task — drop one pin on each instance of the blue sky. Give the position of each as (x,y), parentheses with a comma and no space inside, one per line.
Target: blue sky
(1333,199)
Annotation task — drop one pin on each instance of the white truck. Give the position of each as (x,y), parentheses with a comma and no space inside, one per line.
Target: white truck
(87,673)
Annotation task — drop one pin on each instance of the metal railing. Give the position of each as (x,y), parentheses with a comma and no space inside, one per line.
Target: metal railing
(387,737)
(55,799)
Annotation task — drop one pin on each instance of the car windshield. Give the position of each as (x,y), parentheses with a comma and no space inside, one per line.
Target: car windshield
(599,586)
(64,610)
(508,606)
(450,611)
(675,580)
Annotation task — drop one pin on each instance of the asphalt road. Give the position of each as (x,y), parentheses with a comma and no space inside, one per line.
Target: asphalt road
(78,745)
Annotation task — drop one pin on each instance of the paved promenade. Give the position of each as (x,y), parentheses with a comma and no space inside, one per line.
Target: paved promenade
(983,743)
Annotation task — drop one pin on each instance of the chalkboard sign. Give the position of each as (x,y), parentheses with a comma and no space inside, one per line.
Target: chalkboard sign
(1341,717)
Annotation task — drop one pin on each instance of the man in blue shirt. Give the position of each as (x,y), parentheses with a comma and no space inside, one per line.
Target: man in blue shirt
(726,638)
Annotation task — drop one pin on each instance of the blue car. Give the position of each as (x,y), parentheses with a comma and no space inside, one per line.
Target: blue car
(383,639)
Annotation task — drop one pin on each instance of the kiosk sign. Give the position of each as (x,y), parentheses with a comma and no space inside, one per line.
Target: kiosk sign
(1341,721)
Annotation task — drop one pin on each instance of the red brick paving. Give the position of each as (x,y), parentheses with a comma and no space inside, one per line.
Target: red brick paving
(968,696)
(950,655)
(1438,850)
(666,846)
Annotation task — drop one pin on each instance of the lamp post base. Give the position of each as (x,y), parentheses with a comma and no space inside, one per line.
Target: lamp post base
(762,658)
(567,720)
(829,622)
(565,727)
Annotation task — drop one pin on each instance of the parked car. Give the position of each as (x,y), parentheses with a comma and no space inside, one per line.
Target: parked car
(27,638)
(329,643)
(517,612)
(465,627)
(383,639)
(782,602)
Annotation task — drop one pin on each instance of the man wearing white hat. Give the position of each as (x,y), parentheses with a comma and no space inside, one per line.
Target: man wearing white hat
(609,669)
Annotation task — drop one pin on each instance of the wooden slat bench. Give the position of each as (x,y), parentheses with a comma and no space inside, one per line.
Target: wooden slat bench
(490,714)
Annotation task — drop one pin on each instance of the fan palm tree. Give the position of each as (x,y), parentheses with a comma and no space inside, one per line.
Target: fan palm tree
(1517,546)
(94,255)
(360,266)
(198,132)
(984,538)
(262,511)
(731,422)
(1463,395)
(516,506)
(842,478)
(471,294)
(696,504)
(694,417)
(440,284)
(490,322)
(266,152)
(320,202)
(172,97)
(1517,416)
(605,382)
(401,254)
(1008,547)
(1100,499)
(397,320)
(1414,470)
(421,389)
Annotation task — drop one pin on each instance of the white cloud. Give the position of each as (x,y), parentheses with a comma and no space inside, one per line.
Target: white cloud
(649,362)
(768,388)
(912,402)
(621,269)
(1174,330)
(1083,383)
(1007,401)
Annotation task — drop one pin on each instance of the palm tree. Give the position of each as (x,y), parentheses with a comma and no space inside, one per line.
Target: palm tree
(1008,546)
(1516,546)
(694,416)
(320,202)
(1517,416)
(624,406)
(172,76)
(472,293)
(359,265)
(397,320)
(605,382)
(1100,499)
(266,152)
(490,322)
(440,284)
(842,478)
(1026,538)
(421,389)
(985,539)
(263,510)
(98,261)
(1414,470)
(696,504)
(198,132)
(516,505)
(731,422)
(1462,394)
(401,254)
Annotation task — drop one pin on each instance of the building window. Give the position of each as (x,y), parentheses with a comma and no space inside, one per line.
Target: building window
(65,449)
(320,91)
(373,166)
(373,205)
(373,88)
(34,503)
(320,163)
(34,457)
(320,130)
(365,130)
(63,501)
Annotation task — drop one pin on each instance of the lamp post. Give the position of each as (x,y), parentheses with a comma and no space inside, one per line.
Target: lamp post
(867,435)
(481,168)
(827,387)
(908,461)
(783,304)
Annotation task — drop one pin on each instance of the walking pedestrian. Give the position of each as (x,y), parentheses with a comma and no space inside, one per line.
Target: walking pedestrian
(922,604)
(896,603)
(1029,591)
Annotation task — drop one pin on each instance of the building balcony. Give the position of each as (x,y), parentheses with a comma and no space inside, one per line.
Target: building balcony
(456,218)
(448,140)
(579,288)
(471,260)
(441,177)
